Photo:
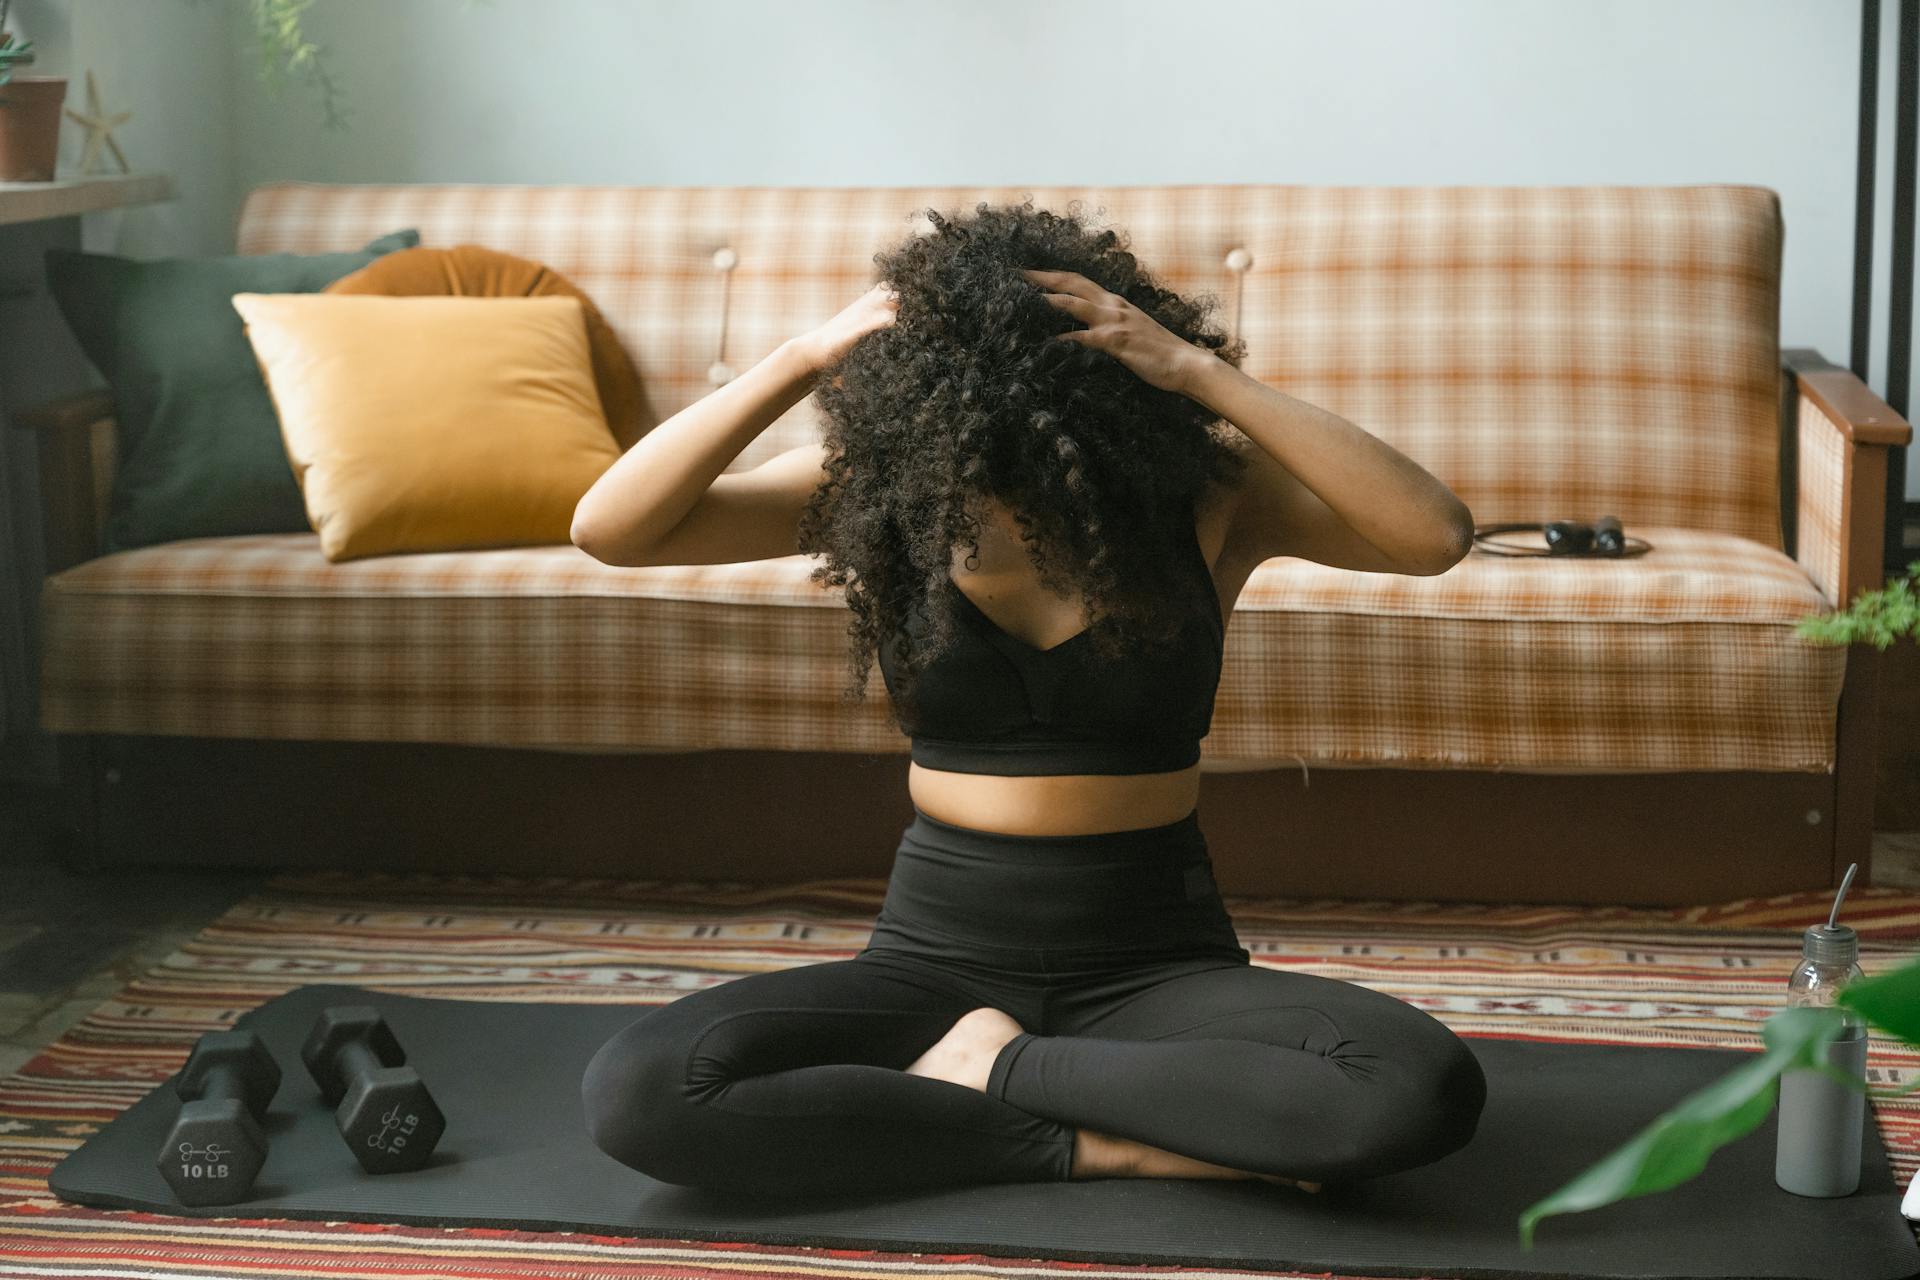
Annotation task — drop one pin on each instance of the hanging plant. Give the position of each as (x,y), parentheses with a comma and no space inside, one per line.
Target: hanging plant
(286,53)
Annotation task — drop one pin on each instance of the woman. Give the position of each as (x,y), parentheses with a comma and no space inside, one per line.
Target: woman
(1053,988)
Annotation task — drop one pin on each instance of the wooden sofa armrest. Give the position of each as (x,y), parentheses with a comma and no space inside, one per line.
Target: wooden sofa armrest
(1842,431)
(75,446)
(69,413)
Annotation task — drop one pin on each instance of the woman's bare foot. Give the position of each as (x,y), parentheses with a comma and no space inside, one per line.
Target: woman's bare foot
(1101,1155)
(965,1054)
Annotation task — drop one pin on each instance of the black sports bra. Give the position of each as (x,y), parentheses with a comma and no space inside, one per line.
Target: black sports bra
(995,704)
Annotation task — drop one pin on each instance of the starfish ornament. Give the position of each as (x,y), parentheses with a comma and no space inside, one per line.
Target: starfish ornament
(99,126)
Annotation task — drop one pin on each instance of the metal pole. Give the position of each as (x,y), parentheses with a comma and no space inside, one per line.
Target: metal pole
(1900,309)
(1865,171)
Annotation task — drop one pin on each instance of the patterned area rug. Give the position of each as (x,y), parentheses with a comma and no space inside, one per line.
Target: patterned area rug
(1692,976)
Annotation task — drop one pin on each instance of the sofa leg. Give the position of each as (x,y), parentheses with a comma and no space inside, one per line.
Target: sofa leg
(73,825)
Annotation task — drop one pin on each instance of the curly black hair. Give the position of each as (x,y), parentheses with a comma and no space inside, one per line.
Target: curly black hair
(966,395)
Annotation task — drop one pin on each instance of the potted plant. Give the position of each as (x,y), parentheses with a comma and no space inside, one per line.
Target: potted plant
(1676,1145)
(29,112)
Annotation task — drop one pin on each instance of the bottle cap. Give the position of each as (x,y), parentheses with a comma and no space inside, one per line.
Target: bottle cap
(1832,944)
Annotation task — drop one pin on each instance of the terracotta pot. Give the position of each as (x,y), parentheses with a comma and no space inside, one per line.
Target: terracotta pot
(30,127)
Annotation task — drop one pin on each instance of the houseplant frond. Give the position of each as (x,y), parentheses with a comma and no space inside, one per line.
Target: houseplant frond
(1880,617)
(285,51)
(1676,1146)
(12,52)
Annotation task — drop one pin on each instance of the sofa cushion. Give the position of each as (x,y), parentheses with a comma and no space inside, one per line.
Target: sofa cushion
(475,271)
(199,451)
(432,424)
(1681,659)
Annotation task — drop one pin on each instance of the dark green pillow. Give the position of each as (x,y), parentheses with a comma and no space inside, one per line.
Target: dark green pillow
(199,447)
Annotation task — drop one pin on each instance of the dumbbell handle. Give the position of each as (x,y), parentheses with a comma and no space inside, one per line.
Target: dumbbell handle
(221,1081)
(352,1061)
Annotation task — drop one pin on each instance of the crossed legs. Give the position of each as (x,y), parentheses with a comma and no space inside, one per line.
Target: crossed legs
(795,1080)
(1267,1070)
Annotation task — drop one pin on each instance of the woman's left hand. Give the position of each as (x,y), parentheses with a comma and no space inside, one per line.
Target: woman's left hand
(1122,330)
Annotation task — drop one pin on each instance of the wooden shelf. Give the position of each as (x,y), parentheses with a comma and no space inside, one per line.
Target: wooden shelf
(67,197)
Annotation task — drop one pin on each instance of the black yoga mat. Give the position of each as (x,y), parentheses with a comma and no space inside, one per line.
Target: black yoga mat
(516,1154)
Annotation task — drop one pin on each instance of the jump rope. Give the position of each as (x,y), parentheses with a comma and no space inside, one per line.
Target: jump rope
(1603,538)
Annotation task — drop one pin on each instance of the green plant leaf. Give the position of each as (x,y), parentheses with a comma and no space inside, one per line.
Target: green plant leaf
(11,53)
(285,51)
(1877,617)
(1675,1147)
(1888,1000)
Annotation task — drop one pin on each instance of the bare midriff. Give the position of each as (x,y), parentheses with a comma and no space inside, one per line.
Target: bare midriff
(1056,804)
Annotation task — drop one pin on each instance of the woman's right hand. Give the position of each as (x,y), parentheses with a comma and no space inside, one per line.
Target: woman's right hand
(874,309)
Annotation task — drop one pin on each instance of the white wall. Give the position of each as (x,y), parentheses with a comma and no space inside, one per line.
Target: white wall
(171,63)
(843,92)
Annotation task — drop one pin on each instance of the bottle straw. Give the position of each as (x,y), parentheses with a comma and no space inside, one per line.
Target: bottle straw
(1844,882)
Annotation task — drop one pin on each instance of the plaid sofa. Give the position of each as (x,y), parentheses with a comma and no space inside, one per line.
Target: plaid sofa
(1547,352)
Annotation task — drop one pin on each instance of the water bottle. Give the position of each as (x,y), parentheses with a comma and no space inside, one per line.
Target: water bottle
(1821,1120)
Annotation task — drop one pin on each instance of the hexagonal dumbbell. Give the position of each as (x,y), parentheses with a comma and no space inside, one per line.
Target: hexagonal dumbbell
(215,1149)
(381,1106)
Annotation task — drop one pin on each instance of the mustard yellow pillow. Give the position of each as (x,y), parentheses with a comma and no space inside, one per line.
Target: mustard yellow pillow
(474,271)
(435,423)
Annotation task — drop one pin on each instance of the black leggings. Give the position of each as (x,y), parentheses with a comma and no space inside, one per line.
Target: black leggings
(1142,1015)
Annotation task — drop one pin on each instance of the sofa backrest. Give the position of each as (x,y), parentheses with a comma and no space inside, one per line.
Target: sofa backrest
(1547,352)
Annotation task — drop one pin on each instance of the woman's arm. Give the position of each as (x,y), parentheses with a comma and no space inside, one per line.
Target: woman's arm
(1318,486)
(653,485)
(665,501)
(1324,489)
